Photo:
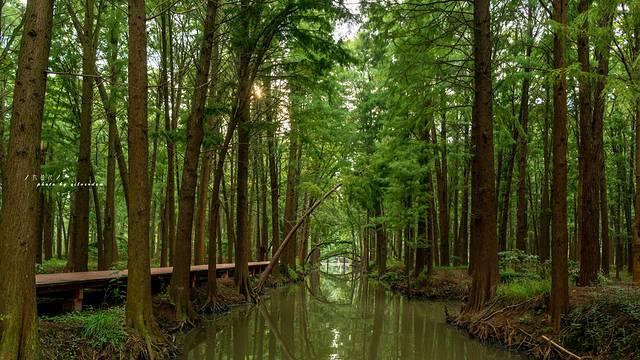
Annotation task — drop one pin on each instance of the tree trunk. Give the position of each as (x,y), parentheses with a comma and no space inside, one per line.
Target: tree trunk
(80,259)
(273,175)
(180,287)
(47,228)
(19,326)
(602,58)
(381,239)
(139,316)
(521,216)
(96,208)
(545,211)
(485,275)
(634,261)
(291,197)
(110,201)
(559,233)
(506,201)
(60,230)
(590,207)
(443,194)
(170,205)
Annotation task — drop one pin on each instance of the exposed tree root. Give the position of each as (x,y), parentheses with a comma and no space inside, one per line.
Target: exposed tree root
(494,324)
(214,306)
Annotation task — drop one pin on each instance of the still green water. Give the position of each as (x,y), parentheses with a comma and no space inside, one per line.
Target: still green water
(336,317)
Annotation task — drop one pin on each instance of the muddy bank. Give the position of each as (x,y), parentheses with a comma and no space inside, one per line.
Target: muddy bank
(603,322)
(100,333)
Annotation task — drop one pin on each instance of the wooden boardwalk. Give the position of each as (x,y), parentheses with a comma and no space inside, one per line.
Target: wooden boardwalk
(69,287)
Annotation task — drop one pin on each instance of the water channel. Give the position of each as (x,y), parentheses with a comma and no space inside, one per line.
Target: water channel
(336,316)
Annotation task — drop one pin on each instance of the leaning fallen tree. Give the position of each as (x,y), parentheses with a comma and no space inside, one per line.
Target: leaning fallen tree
(276,256)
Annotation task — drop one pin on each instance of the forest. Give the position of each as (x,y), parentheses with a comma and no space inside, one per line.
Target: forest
(250,178)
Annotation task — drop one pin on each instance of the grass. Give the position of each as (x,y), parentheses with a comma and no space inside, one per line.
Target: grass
(53,265)
(100,328)
(518,291)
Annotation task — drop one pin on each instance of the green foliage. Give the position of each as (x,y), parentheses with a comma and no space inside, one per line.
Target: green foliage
(609,325)
(393,277)
(53,265)
(518,260)
(100,328)
(518,291)
(293,275)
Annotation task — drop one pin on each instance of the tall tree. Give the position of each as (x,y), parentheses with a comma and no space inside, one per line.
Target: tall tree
(483,199)
(180,287)
(139,316)
(521,216)
(589,206)
(603,41)
(559,232)
(20,198)
(87,34)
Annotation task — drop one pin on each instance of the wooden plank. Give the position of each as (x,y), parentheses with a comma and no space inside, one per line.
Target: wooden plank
(47,283)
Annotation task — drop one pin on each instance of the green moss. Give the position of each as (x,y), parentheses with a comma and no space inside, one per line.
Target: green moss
(100,328)
(517,291)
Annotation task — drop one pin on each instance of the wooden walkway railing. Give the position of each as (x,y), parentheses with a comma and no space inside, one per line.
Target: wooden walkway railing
(69,287)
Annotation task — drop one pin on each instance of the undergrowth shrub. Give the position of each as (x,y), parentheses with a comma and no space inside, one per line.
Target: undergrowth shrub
(609,326)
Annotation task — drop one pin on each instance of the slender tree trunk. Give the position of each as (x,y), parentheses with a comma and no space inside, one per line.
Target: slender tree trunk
(80,259)
(521,217)
(110,202)
(264,228)
(180,287)
(273,174)
(506,201)
(381,239)
(545,211)
(98,214)
(602,58)
(19,326)
(47,227)
(443,194)
(170,206)
(60,230)
(199,244)
(559,233)
(634,258)
(463,241)
(485,275)
(291,198)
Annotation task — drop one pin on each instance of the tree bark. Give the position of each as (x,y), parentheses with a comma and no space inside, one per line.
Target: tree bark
(110,201)
(170,206)
(291,197)
(485,275)
(590,207)
(559,233)
(602,58)
(19,326)
(273,174)
(180,287)
(139,316)
(443,194)
(545,211)
(521,216)
(80,259)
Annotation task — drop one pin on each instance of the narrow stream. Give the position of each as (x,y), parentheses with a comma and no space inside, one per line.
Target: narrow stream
(333,316)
